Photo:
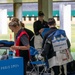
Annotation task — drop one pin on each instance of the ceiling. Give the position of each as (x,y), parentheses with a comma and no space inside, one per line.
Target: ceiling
(63,0)
(12,1)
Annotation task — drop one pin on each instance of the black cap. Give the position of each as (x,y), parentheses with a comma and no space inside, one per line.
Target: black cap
(51,21)
(40,13)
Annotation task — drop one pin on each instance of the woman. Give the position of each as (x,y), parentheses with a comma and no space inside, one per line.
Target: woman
(21,42)
(29,32)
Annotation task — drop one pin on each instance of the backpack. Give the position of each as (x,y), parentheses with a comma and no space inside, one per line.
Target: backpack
(45,31)
(58,40)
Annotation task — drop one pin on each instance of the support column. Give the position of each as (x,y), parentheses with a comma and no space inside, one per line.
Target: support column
(47,7)
(17,8)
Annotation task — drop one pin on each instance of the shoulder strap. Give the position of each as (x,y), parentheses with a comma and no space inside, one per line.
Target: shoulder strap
(51,35)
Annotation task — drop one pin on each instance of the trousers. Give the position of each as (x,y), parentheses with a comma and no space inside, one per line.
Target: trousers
(59,70)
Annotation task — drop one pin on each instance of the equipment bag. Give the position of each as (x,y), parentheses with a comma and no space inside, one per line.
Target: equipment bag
(58,39)
(6,43)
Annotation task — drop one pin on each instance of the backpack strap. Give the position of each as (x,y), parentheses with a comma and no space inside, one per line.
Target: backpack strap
(51,34)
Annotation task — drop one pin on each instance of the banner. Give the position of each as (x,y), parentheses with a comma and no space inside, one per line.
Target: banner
(11,66)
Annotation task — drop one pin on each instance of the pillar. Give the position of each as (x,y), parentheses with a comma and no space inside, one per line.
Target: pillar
(47,7)
(17,8)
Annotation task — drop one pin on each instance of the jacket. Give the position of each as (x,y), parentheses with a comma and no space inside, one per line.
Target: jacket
(48,49)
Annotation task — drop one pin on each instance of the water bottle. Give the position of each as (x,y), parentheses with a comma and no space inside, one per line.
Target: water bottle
(10,56)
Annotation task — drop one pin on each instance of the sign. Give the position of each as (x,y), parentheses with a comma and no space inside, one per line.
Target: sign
(11,66)
(59,43)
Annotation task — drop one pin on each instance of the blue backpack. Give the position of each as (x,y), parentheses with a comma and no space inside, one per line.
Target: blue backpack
(58,40)
(45,31)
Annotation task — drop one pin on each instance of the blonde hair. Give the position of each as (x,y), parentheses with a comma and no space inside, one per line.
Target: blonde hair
(15,19)
(14,22)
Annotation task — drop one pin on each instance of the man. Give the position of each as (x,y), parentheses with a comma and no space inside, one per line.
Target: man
(55,57)
(38,27)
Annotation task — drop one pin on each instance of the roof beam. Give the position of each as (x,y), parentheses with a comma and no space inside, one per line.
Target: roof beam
(64,0)
(17,1)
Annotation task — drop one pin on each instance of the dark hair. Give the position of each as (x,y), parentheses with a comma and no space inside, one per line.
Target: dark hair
(51,21)
(40,13)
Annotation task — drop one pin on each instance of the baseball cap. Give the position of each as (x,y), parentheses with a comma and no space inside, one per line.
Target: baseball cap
(40,13)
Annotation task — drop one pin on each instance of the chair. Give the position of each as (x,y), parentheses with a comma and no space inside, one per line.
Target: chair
(36,64)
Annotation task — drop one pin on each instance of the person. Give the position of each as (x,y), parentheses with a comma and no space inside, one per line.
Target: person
(57,68)
(38,27)
(21,42)
(31,38)
(30,33)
